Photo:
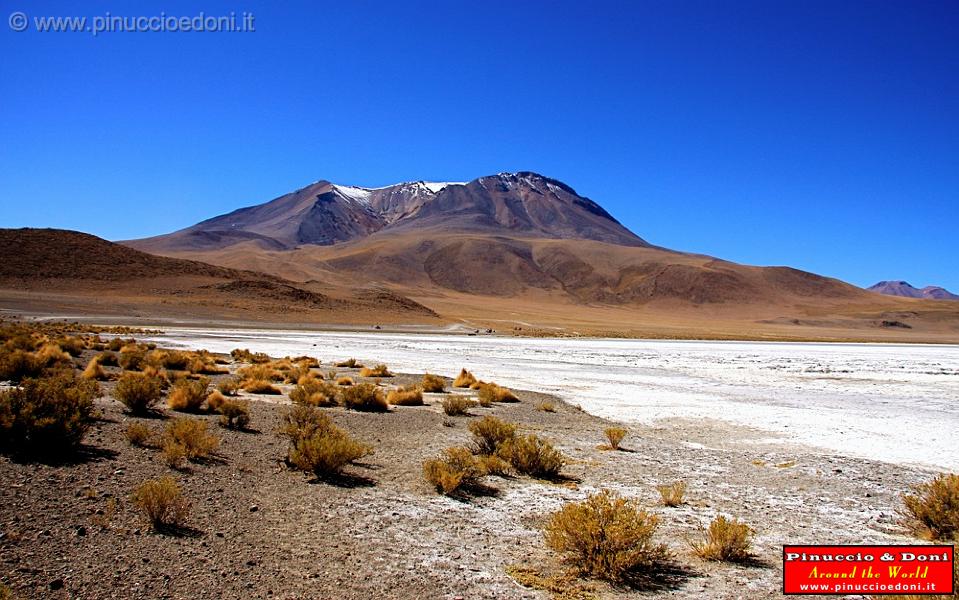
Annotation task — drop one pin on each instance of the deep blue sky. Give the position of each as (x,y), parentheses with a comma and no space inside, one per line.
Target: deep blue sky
(820,135)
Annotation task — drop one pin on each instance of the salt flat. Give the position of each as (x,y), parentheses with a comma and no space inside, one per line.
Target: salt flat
(889,402)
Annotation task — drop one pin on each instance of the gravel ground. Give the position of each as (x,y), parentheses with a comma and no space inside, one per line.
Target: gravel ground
(261,530)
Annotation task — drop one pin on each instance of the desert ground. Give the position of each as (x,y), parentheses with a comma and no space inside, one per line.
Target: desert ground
(258,528)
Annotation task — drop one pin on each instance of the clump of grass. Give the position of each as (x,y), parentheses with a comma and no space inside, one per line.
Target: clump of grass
(727,540)
(350,363)
(138,392)
(376,371)
(17,364)
(162,503)
(491,392)
(47,416)
(188,395)
(132,358)
(138,435)
(533,456)
(464,380)
(234,414)
(615,435)
(244,355)
(317,445)
(365,397)
(546,406)
(456,406)
(673,494)
(931,511)
(261,386)
(454,472)
(608,537)
(491,434)
(410,395)
(108,359)
(433,383)
(215,400)
(188,438)
(314,393)
(344,381)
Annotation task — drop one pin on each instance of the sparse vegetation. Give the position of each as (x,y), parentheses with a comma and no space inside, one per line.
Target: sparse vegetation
(349,363)
(229,386)
(727,540)
(47,416)
(189,438)
(607,536)
(94,371)
(365,397)
(344,381)
(410,395)
(456,406)
(138,434)
(546,406)
(376,371)
(931,511)
(455,471)
(261,386)
(317,445)
(673,494)
(491,392)
(615,435)
(214,401)
(188,395)
(490,434)
(138,392)
(433,383)
(533,456)
(162,502)
(464,380)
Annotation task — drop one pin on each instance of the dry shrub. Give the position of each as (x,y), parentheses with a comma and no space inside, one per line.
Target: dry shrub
(262,372)
(308,362)
(138,434)
(534,456)
(206,365)
(229,386)
(169,359)
(17,364)
(376,371)
(74,346)
(314,393)
(494,465)
(162,502)
(456,406)
(191,437)
(260,386)
(317,445)
(132,358)
(546,406)
(344,381)
(464,380)
(349,363)
(615,435)
(607,536)
(410,395)
(931,512)
(726,540)
(365,397)
(455,471)
(188,395)
(214,401)
(108,359)
(673,494)
(433,383)
(491,392)
(234,414)
(490,434)
(46,416)
(138,392)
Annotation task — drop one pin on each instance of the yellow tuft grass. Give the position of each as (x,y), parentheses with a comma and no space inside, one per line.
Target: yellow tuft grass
(456,406)
(162,503)
(377,371)
(433,383)
(364,397)
(931,511)
(464,380)
(454,472)
(410,395)
(673,494)
(615,435)
(727,540)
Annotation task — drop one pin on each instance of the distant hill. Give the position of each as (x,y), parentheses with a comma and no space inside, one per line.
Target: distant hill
(905,290)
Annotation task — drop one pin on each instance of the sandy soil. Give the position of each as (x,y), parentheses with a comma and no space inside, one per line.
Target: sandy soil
(264,531)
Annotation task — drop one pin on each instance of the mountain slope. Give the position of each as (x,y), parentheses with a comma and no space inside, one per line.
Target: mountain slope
(904,290)
(324,214)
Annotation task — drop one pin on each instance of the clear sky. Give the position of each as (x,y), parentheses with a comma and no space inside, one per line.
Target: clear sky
(820,135)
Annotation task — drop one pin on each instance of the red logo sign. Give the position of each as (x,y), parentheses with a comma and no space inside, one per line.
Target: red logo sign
(873,570)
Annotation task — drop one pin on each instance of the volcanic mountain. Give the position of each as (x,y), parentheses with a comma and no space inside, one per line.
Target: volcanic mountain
(525,250)
(904,290)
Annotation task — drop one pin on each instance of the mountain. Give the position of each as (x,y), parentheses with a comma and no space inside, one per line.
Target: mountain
(52,267)
(324,213)
(905,290)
